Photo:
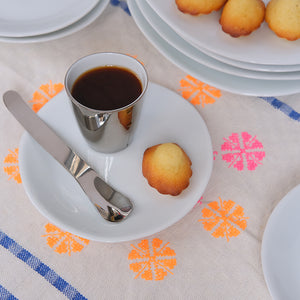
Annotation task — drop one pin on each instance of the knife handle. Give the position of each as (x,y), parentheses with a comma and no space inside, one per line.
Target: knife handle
(112,205)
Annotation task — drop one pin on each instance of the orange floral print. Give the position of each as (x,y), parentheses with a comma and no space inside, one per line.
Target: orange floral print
(12,168)
(44,94)
(224,219)
(39,99)
(152,262)
(51,89)
(198,92)
(63,241)
(135,56)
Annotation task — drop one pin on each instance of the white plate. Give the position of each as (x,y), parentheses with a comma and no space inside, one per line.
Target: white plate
(20,18)
(260,47)
(166,117)
(83,22)
(281,248)
(227,82)
(169,35)
(250,66)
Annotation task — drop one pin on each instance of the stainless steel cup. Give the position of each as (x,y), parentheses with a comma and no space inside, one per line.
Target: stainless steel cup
(107,130)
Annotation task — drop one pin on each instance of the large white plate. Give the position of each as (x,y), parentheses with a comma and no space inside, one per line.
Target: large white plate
(218,79)
(80,24)
(166,117)
(281,248)
(32,17)
(169,35)
(251,66)
(260,47)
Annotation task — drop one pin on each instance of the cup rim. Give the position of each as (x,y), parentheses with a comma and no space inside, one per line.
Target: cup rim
(112,110)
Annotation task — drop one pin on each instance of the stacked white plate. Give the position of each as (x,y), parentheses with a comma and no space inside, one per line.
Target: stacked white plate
(260,64)
(35,21)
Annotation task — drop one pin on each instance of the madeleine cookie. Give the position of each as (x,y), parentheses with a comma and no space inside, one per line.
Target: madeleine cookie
(197,7)
(241,17)
(283,17)
(167,168)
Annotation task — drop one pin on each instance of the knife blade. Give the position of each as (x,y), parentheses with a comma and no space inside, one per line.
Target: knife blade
(111,204)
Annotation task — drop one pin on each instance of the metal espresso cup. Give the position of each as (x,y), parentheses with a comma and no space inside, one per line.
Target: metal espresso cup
(107,130)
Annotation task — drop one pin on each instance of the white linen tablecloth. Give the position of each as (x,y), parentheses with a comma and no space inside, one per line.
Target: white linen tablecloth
(213,252)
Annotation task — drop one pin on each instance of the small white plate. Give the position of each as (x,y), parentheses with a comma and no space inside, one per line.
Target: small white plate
(80,24)
(218,79)
(261,46)
(20,18)
(281,248)
(166,117)
(169,35)
(250,66)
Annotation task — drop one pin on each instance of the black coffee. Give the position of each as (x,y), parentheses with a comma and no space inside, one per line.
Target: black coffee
(106,88)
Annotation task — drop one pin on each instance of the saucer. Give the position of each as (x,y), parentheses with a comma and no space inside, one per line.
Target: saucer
(165,117)
(281,248)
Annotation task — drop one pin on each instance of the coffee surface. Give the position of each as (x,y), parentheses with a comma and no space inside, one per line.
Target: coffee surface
(106,88)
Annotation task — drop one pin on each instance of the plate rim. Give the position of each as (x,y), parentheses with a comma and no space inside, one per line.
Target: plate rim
(72,28)
(23,28)
(268,228)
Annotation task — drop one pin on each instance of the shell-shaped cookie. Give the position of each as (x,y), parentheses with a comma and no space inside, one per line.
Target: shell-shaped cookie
(167,168)
(198,7)
(283,17)
(241,17)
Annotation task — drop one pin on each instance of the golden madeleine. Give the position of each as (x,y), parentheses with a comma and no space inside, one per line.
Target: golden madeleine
(167,168)
(283,17)
(241,17)
(197,7)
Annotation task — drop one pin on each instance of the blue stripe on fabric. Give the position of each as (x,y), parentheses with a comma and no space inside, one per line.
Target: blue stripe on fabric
(122,4)
(286,109)
(38,266)
(6,295)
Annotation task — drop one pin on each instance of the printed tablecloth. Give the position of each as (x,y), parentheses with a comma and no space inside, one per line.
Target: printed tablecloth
(214,251)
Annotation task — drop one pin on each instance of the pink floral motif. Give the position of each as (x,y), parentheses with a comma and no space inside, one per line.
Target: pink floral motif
(241,149)
(215,154)
(199,202)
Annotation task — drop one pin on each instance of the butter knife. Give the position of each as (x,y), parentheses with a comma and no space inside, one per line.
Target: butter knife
(111,204)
